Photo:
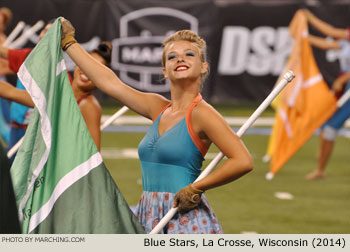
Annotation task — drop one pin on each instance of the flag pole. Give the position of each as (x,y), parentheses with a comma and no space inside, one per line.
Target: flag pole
(344,98)
(287,77)
(19,27)
(27,34)
(341,101)
(11,44)
(109,121)
(14,148)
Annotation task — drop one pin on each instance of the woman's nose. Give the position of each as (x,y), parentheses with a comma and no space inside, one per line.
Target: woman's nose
(180,59)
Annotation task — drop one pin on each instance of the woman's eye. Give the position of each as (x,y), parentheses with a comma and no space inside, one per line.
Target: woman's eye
(190,54)
(171,56)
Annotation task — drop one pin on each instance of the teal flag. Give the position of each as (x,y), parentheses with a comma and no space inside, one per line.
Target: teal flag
(60,181)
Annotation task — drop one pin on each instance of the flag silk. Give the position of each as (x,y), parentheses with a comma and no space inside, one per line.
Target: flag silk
(60,181)
(305,104)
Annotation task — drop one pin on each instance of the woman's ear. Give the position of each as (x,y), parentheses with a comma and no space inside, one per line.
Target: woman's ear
(204,67)
(164,73)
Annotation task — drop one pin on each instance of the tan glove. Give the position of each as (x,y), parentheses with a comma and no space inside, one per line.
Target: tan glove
(187,198)
(68,32)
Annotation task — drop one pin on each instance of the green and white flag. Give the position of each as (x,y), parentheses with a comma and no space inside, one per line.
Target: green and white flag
(60,181)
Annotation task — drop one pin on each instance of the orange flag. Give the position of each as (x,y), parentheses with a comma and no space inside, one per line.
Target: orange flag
(305,104)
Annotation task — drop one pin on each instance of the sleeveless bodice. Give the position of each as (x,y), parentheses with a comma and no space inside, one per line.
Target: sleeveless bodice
(172,160)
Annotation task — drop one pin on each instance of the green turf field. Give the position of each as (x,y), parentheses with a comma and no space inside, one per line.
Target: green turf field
(249,204)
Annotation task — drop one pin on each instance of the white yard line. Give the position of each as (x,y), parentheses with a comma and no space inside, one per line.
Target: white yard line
(232,121)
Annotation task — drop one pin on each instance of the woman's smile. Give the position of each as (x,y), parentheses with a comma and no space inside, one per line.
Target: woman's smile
(181,68)
(83,77)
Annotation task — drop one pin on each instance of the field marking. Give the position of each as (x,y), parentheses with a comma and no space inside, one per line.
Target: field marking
(139,120)
(232,121)
(284,195)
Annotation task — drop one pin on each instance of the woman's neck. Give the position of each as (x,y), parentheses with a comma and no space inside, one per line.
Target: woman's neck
(78,93)
(182,96)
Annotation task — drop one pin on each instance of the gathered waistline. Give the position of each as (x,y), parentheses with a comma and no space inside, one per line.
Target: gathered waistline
(158,177)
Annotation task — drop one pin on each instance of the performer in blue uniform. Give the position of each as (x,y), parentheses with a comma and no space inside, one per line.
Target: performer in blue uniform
(172,152)
(175,155)
(340,85)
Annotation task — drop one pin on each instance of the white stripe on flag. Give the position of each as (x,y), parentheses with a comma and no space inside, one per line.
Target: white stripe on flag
(61,66)
(312,81)
(302,84)
(296,90)
(305,33)
(284,118)
(68,180)
(39,100)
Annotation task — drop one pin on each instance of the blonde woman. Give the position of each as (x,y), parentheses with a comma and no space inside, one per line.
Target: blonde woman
(184,127)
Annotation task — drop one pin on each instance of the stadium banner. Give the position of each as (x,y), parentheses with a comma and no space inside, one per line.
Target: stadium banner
(253,45)
(248,42)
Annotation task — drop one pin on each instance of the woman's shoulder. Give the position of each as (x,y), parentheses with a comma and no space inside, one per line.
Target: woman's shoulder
(157,104)
(90,102)
(205,111)
(204,107)
(206,120)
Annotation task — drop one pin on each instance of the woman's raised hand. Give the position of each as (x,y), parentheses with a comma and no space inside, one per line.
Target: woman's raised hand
(68,33)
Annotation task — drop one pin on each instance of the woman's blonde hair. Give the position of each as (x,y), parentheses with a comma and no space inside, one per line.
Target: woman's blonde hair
(192,37)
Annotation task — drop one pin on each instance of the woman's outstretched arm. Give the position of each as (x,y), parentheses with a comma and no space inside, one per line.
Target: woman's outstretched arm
(325,28)
(146,104)
(11,93)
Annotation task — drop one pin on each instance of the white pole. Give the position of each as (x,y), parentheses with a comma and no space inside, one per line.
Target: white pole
(110,120)
(17,42)
(14,148)
(344,98)
(288,77)
(27,34)
(19,27)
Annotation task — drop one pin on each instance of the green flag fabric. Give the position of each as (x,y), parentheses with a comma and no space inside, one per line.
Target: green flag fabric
(60,181)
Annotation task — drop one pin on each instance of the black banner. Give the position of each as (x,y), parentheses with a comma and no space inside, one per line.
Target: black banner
(248,41)
(254,45)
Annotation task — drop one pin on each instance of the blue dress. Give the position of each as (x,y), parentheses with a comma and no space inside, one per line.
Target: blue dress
(170,162)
